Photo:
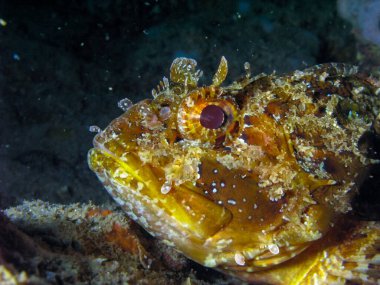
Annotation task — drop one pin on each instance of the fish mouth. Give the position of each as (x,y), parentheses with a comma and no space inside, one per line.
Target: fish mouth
(177,214)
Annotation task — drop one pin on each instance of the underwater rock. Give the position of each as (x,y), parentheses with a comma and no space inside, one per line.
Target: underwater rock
(43,243)
(365,18)
(364,15)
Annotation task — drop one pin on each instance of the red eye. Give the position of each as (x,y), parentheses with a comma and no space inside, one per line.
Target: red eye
(212,117)
(207,116)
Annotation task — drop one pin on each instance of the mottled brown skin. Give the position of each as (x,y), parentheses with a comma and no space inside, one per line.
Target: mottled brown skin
(264,190)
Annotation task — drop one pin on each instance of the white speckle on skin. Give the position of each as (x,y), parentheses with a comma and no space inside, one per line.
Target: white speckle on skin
(210,261)
(213,184)
(123,175)
(273,248)
(220,202)
(215,171)
(231,201)
(119,190)
(214,190)
(201,219)
(140,186)
(276,117)
(239,259)
(222,184)
(142,220)
(166,187)
(118,200)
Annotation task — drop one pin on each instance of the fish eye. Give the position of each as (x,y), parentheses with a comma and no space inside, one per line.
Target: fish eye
(212,117)
(207,115)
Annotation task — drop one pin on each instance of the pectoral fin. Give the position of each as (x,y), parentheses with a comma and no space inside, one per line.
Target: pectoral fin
(345,256)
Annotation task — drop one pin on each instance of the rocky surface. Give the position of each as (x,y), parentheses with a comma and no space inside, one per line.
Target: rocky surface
(43,243)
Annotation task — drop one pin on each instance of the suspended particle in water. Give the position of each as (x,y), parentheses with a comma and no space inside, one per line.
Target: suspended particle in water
(3,22)
(247,68)
(16,57)
(125,104)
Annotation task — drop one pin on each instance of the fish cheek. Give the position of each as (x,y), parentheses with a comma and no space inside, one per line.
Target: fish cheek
(238,191)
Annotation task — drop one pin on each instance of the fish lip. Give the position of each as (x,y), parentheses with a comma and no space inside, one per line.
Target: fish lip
(100,146)
(96,142)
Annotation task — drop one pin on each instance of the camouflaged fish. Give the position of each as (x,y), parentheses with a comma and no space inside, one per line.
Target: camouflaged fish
(254,179)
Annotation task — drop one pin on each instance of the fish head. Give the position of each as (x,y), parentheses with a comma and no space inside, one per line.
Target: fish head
(212,170)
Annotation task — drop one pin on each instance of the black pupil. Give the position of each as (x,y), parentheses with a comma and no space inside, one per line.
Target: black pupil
(212,117)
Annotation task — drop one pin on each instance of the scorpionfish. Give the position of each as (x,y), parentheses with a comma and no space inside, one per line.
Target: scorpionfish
(254,179)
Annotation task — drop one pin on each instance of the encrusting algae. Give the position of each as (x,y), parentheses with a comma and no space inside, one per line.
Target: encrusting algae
(254,179)
(44,243)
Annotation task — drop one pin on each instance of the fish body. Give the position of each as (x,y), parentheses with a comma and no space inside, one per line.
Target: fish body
(254,179)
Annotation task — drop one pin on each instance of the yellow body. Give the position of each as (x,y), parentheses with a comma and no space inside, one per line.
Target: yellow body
(262,191)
